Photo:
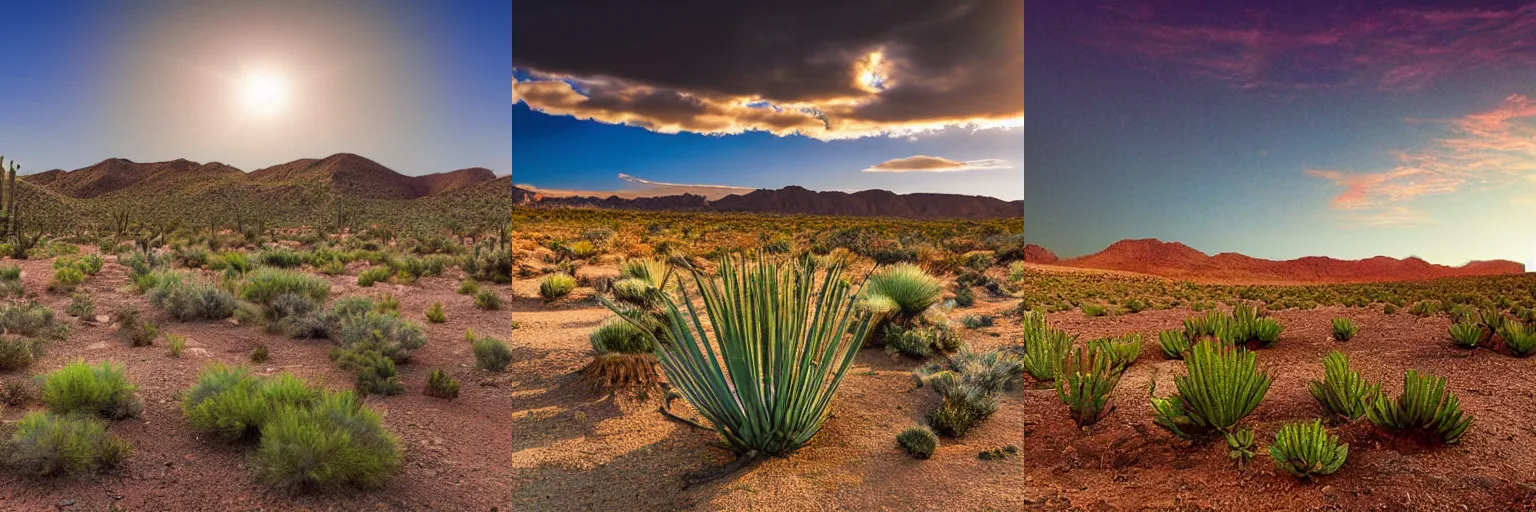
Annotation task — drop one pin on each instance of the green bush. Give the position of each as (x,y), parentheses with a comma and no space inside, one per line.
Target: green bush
(1344,329)
(968,384)
(1174,343)
(468,287)
(488,300)
(1122,351)
(1084,380)
(282,258)
(334,444)
(10,272)
(964,297)
(101,390)
(18,353)
(265,285)
(621,336)
(1520,339)
(435,313)
(976,321)
(375,372)
(259,354)
(1223,385)
(373,275)
(440,385)
(919,442)
(1093,309)
(30,319)
(193,299)
(46,444)
(80,306)
(231,405)
(1466,334)
(492,354)
(907,286)
(386,333)
(553,287)
(920,341)
(1043,347)
(1343,392)
(1425,407)
(1307,450)
(66,279)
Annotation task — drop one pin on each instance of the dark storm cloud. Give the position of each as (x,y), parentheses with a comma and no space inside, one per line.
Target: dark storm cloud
(832,69)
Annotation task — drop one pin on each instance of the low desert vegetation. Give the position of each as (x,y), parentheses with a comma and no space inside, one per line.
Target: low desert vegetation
(100,390)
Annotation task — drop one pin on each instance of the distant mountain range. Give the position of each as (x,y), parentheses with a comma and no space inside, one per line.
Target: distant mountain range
(799,200)
(343,174)
(1176,260)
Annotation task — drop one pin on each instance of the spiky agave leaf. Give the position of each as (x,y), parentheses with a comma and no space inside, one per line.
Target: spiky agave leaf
(1223,385)
(1520,338)
(1307,450)
(1043,347)
(651,271)
(1084,380)
(1466,334)
(1425,406)
(1122,351)
(1342,391)
(777,349)
(912,289)
(1174,343)
(1344,329)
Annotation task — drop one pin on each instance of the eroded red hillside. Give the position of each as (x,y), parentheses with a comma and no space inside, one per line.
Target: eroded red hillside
(1176,260)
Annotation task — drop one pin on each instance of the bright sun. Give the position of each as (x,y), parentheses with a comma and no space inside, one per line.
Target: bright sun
(264,94)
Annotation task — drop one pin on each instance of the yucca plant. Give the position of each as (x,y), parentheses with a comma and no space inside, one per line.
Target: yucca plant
(1344,329)
(1424,407)
(1084,380)
(1223,385)
(778,348)
(1342,391)
(1174,343)
(1266,331)
(556,286)
(650,271)
(1122,351)
(907,286)
(1466,334)
(1520,339)
(1043,348)
(1307,450)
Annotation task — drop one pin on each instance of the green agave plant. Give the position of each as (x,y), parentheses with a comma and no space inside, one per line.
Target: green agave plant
(1223,385)
(1122,351)
(1043,348)
(1466,334)
(1174,343)
(1342,391)
(1307,450)
(1084,379)
(778,352)
(1344,329)
(1425,406)
(1520,339)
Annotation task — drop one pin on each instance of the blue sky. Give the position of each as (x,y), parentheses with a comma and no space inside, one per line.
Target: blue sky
(1269,134)
(420,87)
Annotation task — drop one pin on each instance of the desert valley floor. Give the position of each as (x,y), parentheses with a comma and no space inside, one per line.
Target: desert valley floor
(576,449)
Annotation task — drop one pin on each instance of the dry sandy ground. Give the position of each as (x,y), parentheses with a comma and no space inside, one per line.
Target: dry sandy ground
(578,450)
(455,451)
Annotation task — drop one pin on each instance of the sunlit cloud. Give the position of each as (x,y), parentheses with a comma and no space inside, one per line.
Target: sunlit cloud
(1490,149)
(1391,216)
(640,187)
(924,163)
(1400,49)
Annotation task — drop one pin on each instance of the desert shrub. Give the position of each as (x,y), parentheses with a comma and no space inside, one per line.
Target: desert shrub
(968,385)
(1084,380)
(919,341)
(1466,334)
(387,303)
(10,272)
(387,333)
(1306,450)
(440,385)
(336,443)
(1174,343)
(1093,309)
(265,285)
(230,404)
(101,390)
(1122,350)
(999,453)
(373,275)
(192,299)
(158,278)
(491,354)
(918,441)
(1223,385)
(1520,339)
(177,343)
(47,444)
(281,258)
(553,287)
(18,353)
(964,297)
(907,286)
(260,354)
(80,306)
(1424,407)
(468,287)
(435,313)
(976,321)
(1043,347)
(193,257)
(619,335)
(66,279)
(1343,392)
(488,300)
(1344,329)
(375,372)
(139,331)
(789,405)
(30,319)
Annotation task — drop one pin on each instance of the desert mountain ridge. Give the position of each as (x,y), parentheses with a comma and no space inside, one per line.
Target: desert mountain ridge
(1176,260)
(803,201)
(343,173)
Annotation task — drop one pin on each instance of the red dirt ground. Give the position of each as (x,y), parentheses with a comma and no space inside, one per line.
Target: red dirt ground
(455,451)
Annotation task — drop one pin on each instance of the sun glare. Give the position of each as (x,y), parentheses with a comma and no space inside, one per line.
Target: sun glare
(264,94)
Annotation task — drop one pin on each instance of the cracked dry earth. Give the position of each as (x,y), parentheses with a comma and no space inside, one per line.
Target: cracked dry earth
(575,449)
(455,452)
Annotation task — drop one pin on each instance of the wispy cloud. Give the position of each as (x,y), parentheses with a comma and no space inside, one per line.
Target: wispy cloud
(925,163)
(1392,216)
(1492,148)
(1398,49)
(645,188)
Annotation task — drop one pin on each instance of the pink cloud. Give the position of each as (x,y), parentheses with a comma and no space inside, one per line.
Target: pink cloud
(1403,49)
